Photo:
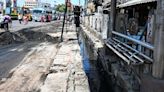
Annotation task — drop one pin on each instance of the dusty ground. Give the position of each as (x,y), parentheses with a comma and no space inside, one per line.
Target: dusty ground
(15,46)
(33,60)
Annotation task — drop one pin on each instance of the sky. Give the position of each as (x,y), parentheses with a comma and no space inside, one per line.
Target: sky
(75,2)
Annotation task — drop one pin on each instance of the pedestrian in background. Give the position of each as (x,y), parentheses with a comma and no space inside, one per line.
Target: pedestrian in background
(25,19)
(42,18)
(20,18)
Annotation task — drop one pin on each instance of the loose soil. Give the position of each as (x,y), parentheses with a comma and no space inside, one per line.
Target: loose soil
(24,36)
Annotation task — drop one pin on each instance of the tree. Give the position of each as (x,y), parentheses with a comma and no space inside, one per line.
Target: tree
(60,8)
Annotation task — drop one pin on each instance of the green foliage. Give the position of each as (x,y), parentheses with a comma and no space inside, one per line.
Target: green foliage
(60,8)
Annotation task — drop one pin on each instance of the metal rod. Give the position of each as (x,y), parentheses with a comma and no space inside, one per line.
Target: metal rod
(64,21)
(118,53)
(126,52)
(148,58)
(149,46)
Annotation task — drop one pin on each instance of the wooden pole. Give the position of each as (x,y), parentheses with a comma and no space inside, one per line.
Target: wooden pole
(112,18)
(64,20)
(158,65)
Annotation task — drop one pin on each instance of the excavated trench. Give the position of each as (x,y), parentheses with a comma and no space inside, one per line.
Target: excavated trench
(98,79)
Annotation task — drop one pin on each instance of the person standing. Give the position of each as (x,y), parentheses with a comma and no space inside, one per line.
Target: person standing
(25,19)
(7,20)
(77,16)
(20,18)
(42,18)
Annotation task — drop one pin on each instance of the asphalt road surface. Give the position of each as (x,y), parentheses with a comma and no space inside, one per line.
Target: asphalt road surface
(15,26)
(13,54)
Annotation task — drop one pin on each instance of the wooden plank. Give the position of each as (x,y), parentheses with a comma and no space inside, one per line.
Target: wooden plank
(158,66)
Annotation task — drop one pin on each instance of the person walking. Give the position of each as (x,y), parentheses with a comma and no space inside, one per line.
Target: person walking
(42,18)
(25,19)
(20,18)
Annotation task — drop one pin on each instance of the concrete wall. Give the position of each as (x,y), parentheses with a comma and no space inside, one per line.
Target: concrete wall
(98,23)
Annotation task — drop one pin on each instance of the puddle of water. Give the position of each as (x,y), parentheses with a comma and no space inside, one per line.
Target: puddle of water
(96,80)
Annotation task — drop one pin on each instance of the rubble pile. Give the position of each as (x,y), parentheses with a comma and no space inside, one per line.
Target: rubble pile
(24,36)
(29,35)
(9,38)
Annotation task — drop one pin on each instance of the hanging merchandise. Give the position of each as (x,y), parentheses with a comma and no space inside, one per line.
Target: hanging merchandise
(150,27)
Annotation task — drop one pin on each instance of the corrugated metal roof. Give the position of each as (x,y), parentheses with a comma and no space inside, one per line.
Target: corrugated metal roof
(134,2)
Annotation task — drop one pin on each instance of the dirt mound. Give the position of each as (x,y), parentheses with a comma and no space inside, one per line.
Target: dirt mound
(24,36)
(9,38)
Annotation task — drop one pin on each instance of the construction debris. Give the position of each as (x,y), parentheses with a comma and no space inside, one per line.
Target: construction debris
(46,65)
(24,36)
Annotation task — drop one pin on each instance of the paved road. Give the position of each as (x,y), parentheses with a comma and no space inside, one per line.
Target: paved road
(11,55)
(17,26)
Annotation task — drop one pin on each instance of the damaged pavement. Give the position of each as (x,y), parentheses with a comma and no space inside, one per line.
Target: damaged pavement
(34,60)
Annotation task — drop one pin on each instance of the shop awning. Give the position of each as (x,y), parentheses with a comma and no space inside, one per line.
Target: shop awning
(135,2)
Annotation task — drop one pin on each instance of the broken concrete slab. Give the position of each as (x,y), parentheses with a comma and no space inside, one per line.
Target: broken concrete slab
(55,82)
(67,68)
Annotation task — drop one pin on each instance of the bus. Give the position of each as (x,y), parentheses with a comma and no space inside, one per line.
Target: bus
(42,14)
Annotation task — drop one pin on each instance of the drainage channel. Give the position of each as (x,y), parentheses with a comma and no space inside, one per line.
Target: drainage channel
(96,78)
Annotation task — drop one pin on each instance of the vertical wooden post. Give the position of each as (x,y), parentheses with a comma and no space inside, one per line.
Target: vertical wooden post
(112,18)
(158,65)
(65,12)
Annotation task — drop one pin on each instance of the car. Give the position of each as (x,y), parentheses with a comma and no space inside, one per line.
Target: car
(54,17)
(37,17)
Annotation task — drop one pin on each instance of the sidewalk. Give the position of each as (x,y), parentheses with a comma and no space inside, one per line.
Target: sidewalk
(67,74)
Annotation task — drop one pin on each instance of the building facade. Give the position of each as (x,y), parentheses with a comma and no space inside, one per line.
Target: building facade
(138,26)
(44,5)
(31,3)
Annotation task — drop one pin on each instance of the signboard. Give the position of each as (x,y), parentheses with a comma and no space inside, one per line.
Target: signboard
(8,3)
(14,3)
(8,10)
(1,7)
(68,2)
(15,6)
